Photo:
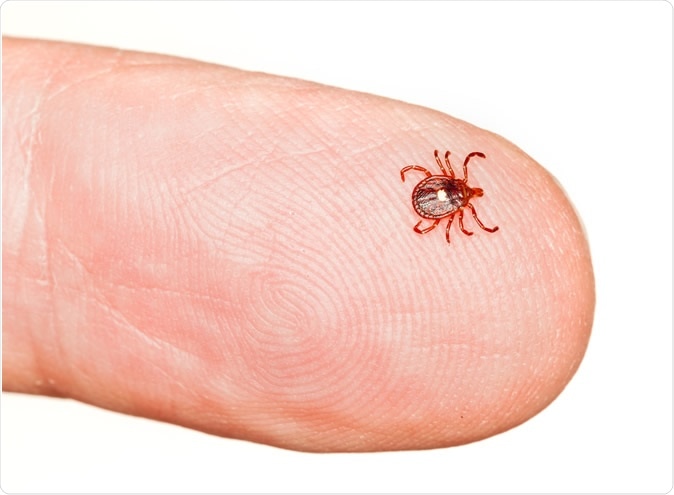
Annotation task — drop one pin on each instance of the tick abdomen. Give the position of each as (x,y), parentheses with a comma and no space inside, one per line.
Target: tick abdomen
(438,196)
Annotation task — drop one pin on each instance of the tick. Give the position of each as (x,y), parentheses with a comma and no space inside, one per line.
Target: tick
(444,196)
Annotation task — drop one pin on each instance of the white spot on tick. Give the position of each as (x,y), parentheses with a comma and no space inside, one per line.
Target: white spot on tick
(442,195)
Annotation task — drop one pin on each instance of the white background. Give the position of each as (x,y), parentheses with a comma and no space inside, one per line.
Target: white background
(583,87)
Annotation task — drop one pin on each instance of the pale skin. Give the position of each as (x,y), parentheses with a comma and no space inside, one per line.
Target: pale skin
(234,252)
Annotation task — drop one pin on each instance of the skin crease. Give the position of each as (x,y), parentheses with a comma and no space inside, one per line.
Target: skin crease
(233,252)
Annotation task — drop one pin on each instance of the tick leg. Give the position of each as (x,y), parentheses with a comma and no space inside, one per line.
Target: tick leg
(449,165)
(472,209)
(463,229)
(413,167)
(449,224)
(427,229)
(465,163)
(437,159)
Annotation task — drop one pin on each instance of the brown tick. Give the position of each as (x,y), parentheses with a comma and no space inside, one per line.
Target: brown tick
(443,196)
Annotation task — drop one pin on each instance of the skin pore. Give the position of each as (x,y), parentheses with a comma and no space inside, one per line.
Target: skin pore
(234,252)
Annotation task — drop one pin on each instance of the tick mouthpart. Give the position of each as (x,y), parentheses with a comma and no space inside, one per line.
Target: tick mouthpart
(478,192)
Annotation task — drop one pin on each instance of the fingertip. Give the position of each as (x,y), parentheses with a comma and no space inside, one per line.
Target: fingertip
(219,311)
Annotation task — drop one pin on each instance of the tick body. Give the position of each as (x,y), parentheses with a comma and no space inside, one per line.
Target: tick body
(444,196)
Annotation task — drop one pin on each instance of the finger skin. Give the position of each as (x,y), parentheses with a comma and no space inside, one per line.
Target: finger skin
(233,252)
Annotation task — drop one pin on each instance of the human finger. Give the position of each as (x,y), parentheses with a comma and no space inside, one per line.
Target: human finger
(234,252)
